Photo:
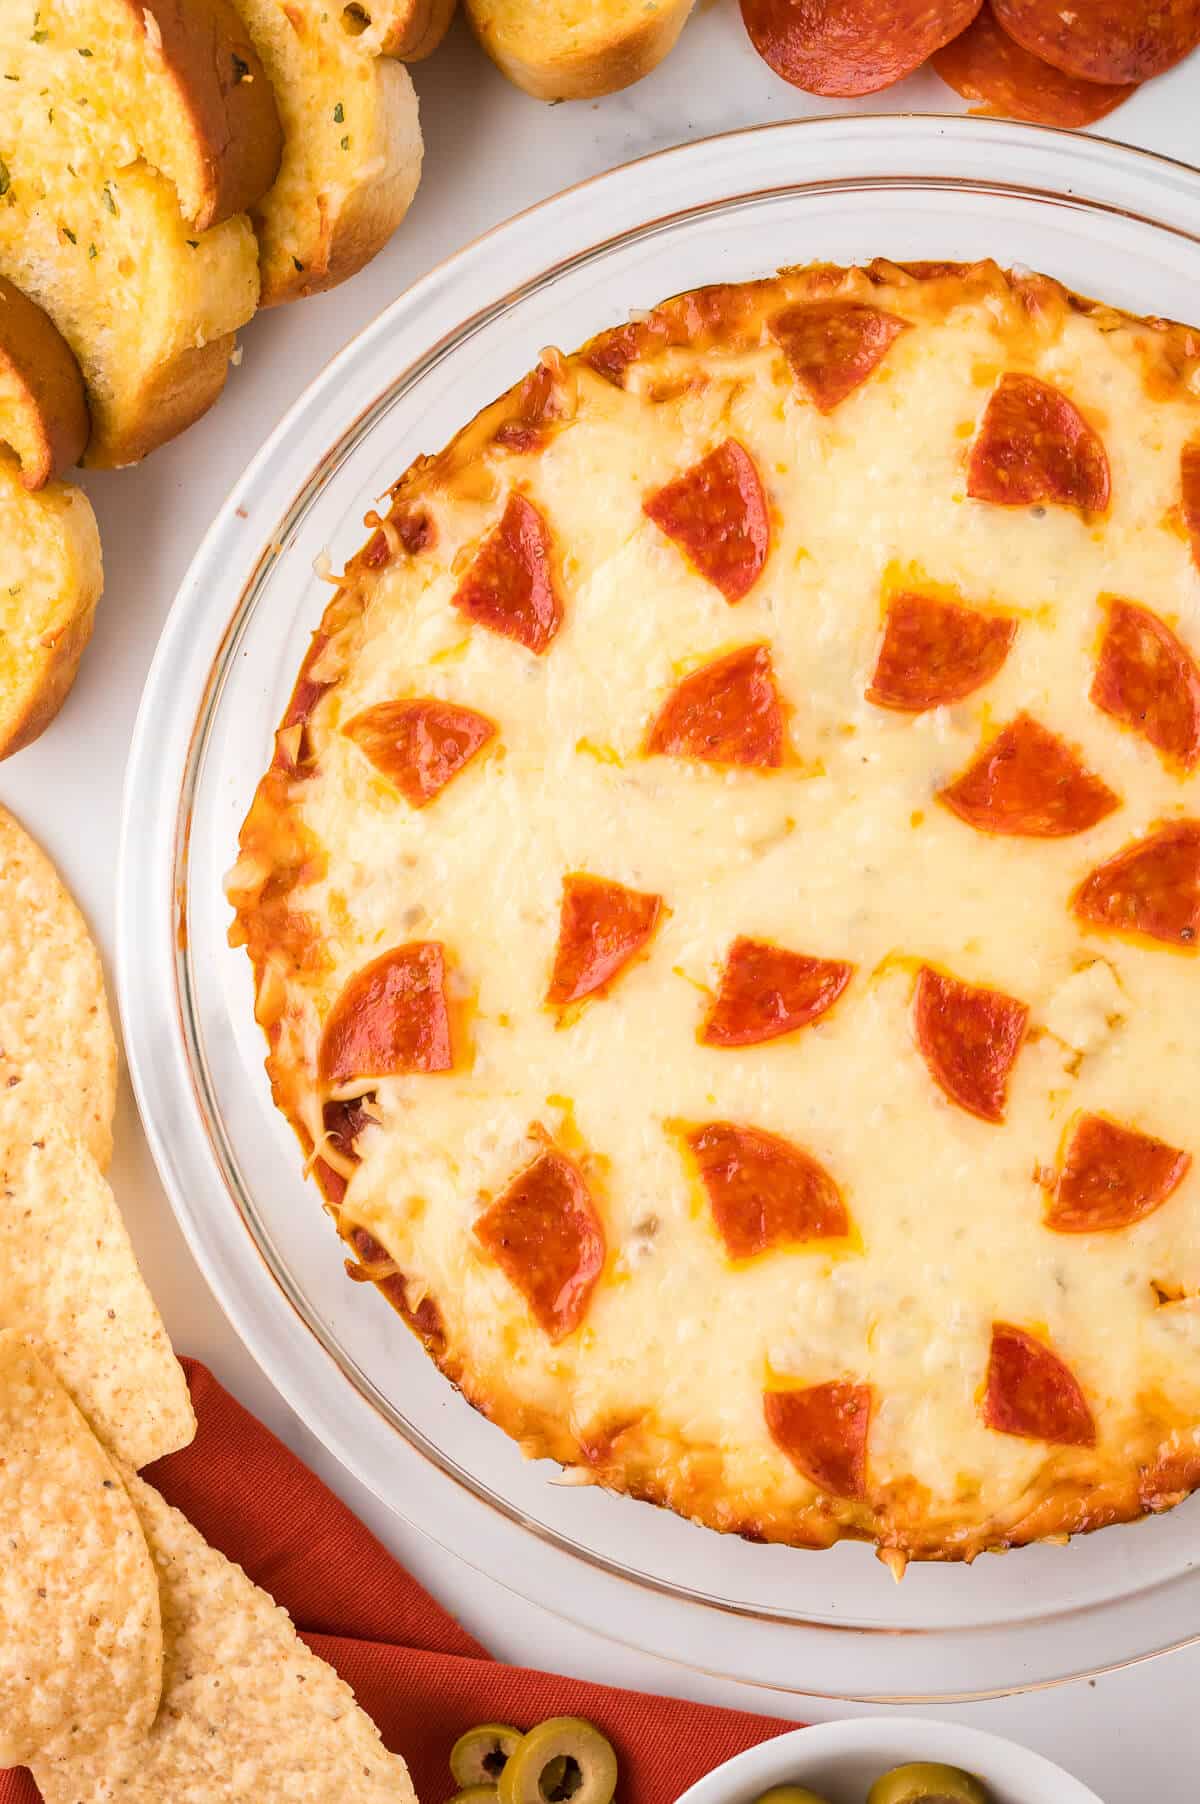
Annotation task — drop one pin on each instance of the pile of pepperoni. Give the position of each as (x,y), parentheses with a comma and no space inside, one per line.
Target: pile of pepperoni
(1022,59)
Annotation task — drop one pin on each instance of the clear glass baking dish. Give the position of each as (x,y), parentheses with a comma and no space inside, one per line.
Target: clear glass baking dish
(1109,221)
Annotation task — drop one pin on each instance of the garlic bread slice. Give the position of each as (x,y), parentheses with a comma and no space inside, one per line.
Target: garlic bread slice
(577,49)
(43,408)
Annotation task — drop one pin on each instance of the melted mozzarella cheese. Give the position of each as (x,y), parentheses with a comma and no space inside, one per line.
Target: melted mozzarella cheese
(846,854)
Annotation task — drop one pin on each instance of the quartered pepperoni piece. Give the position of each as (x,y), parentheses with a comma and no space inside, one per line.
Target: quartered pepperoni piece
(420,744)
(823,1430)
(1111,1177)
(765,1192)
(546,1237)
(984,64)
(1034,445)
(969,1038)
(1105,40)
(602,926)
(1189,490)
(833,346)
(727,712)
(1031,1393)
(1147,678)
(1030,784)
(849,47)
(1151,887)
(510,587)
(936,652)
(390,1018)
(716,513)
(766,991)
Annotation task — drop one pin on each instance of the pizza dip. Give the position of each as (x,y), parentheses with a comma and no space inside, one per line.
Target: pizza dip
(725,902)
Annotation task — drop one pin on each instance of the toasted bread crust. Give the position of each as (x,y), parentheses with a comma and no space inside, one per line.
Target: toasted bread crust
(553,67)
(43,407)
(45,647)
(226,97)
(172,397)
(352,150)
(408,29)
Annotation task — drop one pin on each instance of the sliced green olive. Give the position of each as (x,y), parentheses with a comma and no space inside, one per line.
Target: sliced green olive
(564,1759)
(479,1756)
(789,1794)
(927,1783)
(474,1794)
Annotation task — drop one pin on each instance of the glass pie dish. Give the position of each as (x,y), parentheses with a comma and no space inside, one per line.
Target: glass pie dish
(1110,222)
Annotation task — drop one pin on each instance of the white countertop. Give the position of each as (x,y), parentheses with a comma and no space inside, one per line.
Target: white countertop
(491,151)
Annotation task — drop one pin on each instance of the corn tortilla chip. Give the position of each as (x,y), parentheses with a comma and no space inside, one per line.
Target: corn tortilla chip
(80,1633)
(56,1037)
(248,1716)
(70,1284)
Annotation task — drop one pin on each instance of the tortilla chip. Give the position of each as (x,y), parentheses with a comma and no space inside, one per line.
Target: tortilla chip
(249,1715)
(70,1284)
(81,1649)
(56,1037)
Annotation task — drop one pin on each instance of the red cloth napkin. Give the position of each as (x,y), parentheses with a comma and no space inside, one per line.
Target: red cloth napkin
(421,1676)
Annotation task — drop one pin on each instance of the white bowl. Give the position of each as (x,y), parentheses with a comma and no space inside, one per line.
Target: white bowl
(841,1760)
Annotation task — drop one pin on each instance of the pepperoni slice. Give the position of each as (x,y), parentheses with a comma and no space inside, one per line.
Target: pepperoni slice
(1111,1177)
(1147,678)
(1152,887)
(766,991)
(510,586)
(969,1039)
(984,64)
(833,346)
(1034,445)
(936,652)
(716,513)
(344,1119)
(1189,487)
(420,744)
(764,1191)
(602,926)
(1028,783)
(727,712)
(390,1018)
(546,1237)
(1031,1393)
(1105,40)
(849,47)
(823,1430)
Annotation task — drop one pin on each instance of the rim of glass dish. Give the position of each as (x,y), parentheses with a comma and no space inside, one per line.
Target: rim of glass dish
(174,1092)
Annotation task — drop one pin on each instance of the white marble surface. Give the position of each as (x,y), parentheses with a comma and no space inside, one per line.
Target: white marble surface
(491,152)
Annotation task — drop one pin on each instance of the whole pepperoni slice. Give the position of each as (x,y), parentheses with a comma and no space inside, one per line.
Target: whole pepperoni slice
(969,1038)
(936,652)
(1105,40)
(1031,1393)
(766,991)
(510,586)
(391,1018)
(849,47)
(1151,887)
(1148,679)
(1111,1177)
(1189,489)
(1029,783)
(1035,446)
(602,926)
(823,1430)
(984,64)
(420,744)
(727,712)
(833,346)
(546,1237)
(764,1191)
(716,512)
